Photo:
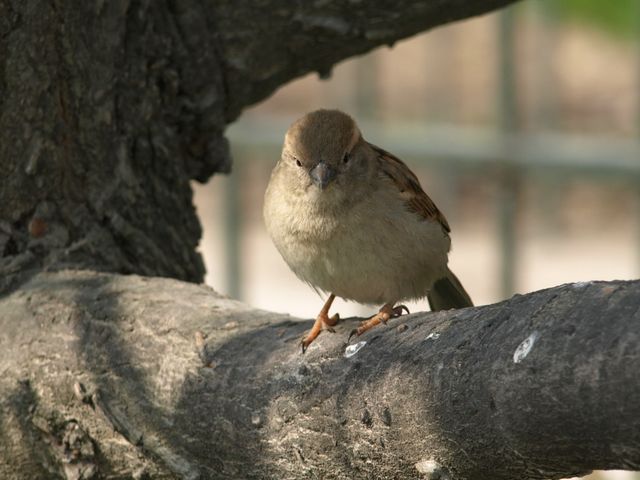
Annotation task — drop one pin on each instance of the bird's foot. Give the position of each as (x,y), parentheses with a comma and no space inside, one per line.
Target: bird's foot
(385,313)
(397,311)
(323,322)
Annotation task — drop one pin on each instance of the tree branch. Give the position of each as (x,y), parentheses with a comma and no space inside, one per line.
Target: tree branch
(285,43)
(540,386)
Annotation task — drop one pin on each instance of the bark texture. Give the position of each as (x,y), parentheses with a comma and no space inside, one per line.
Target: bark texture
(109,108)
(109,376)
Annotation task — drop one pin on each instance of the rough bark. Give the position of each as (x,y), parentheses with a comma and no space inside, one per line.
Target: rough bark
(109,108)
(113,376)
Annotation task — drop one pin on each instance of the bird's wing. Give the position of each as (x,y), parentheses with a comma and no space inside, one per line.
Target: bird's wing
(409,187)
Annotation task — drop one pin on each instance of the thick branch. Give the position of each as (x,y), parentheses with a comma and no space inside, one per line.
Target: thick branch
(259,56)
(540,386)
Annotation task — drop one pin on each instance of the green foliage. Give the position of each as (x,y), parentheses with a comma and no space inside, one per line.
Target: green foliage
(621,17)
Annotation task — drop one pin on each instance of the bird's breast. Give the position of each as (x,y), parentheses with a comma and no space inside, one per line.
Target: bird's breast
(373,252)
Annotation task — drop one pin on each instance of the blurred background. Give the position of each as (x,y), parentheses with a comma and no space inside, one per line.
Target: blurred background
(523,126)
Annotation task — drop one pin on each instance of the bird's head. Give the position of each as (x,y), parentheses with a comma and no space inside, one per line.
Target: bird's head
(323,152)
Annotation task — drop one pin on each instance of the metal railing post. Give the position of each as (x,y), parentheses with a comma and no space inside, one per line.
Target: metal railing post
(637,119)
(508,176)
(365,87)
(232,233)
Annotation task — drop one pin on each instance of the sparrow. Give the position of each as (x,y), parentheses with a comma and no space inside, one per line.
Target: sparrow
(352,220)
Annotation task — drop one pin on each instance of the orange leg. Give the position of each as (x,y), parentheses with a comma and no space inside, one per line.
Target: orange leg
(323,322)
(386,312)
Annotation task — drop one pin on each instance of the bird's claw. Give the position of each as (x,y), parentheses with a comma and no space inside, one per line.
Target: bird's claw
(397,311)
(382,316)
(332,321)
(322,323)
(352,333)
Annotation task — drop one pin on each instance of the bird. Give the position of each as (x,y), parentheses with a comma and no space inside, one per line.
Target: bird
(352,221)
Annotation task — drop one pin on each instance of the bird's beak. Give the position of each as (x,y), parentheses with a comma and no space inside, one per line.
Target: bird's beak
(322,174)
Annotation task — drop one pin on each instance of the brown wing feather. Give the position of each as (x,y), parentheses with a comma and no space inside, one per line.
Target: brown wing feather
(409,187)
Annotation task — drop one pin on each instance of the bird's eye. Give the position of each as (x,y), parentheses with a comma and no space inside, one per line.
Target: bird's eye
(298,163)
(346,158)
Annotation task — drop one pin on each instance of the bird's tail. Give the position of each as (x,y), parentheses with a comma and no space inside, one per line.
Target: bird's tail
(448,293)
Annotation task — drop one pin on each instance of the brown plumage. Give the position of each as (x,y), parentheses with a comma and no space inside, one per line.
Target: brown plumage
(351,219)
(409,187)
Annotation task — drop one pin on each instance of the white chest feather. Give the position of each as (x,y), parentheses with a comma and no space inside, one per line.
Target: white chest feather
(375,251)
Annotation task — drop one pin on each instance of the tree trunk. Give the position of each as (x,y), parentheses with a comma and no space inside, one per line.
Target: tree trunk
(119,376)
